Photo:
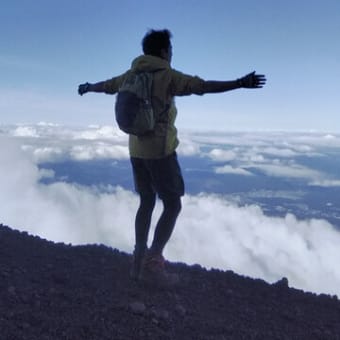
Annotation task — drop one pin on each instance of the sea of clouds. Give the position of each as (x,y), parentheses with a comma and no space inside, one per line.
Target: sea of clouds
(212,230)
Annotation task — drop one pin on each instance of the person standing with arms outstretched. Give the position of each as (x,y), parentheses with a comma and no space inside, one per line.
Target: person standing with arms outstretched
(153,157)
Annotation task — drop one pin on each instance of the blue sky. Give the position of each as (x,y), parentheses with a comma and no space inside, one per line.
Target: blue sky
(47,48)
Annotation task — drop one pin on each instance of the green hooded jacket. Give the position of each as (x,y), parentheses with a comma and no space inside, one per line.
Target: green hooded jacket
(167,83)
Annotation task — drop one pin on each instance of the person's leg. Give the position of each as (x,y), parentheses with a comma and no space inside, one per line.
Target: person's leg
(168,182)
(166,223)
(143,221)
(154,267)
(143,185)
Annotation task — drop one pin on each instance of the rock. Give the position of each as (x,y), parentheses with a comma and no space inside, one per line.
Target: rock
(11,290)
(180,310)
(160,314)
(137,307)
(283,283)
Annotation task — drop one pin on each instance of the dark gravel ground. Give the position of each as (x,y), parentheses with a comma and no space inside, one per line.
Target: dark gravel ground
(56,291)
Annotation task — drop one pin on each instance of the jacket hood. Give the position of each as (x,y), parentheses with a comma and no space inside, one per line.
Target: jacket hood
(149,63)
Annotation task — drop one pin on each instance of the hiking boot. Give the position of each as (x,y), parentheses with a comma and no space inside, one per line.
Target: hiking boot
(154,271)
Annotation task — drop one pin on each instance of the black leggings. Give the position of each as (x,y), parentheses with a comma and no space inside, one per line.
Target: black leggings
(165,225)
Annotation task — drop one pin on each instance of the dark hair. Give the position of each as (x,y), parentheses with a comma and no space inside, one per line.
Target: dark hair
(154,41)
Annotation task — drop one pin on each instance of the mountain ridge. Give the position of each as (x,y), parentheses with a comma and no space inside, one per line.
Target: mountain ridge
(57,291)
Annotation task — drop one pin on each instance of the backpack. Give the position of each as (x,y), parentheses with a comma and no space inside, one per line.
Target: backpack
(133,108)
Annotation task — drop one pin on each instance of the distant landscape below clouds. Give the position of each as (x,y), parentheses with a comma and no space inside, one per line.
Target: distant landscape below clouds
(264,204)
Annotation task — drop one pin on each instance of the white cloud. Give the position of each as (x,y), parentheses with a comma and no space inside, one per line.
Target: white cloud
(46,154)
(271,141)
(325,183)
(292,170)
(329,136)
(252,156)
(187,147)
(99,150)
(211,230)
(25,131)
(227,169)
(279,152)
(61,211)
(216,233)
(285,194)
(47,142)
(105,132)
(221,155)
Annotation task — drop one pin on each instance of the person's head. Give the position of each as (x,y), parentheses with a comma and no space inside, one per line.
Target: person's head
(157,43)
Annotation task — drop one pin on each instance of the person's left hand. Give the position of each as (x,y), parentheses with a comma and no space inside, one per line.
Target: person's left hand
(252,81)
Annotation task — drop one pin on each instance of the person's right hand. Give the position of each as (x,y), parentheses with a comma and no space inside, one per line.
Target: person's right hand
(83,88)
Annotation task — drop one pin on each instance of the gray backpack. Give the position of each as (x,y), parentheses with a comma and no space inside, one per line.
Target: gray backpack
(133,109)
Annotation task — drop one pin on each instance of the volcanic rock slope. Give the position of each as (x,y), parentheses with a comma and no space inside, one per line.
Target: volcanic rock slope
(56,291)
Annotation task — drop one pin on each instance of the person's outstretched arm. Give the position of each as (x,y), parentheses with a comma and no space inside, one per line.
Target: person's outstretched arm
(250,81)
(110,86)
(87,87)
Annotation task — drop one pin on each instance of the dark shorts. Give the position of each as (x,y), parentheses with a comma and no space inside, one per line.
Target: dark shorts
(162,176)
